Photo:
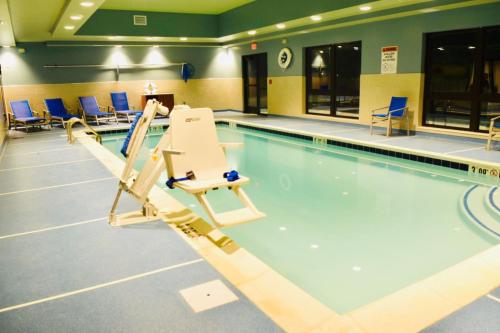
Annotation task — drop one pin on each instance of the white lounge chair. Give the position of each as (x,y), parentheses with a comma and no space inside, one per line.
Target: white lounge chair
(196,163)
(494,131)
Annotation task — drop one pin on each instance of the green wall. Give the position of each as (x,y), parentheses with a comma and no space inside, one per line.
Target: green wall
(27,68)
(120,23)
(407,33)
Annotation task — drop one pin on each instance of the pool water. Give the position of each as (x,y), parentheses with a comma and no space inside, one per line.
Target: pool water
(348,227)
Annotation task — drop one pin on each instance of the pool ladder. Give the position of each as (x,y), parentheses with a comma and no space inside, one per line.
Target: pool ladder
(69,130)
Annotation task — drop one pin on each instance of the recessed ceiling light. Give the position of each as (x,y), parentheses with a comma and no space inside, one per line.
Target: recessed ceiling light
(356,48)
(281,25)
(321,51)
(76,17)
(441,48)
(316,18)
(472,47)
(86,4)
(183,39)
(365,8)
(69,27)
(252,32)
(339,46)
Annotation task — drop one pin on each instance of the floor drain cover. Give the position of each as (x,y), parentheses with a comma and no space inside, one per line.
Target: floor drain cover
(208,295)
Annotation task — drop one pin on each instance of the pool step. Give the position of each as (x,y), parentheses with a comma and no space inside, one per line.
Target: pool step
(480,205)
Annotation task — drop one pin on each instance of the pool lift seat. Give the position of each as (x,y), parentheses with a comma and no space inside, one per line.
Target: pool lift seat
(197,164)
(139,184)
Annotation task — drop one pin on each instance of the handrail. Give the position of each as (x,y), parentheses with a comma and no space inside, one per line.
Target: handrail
(69,129)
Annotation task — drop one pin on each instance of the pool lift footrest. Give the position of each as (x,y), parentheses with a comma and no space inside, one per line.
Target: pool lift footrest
(233,217)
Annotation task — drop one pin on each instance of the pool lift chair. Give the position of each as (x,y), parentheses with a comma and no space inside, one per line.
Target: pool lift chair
(199,165)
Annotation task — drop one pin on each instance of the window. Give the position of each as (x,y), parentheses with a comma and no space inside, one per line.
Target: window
(333,78)
(462,77)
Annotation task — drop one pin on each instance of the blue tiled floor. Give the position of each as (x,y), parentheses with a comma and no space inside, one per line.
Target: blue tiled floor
(481,316)
(47,263)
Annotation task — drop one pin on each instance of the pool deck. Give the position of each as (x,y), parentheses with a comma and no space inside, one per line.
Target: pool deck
(98,278)
(64,269)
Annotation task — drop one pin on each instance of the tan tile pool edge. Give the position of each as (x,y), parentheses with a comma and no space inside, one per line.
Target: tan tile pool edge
(407,310)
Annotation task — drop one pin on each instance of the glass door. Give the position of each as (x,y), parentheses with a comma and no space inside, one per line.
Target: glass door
(333,79)
(462,79)
(347,59)
(255,83)
(490,81)
(319,81)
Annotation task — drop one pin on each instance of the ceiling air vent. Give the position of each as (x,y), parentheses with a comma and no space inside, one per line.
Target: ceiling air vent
(140,20)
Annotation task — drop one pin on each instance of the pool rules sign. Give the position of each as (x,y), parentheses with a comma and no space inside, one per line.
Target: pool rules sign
(389,60)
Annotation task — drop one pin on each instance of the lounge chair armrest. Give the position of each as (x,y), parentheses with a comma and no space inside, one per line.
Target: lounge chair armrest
(42,114)
(233,145)
(174,152)
(495,118)
(383,108)
(111,108)
(397,110)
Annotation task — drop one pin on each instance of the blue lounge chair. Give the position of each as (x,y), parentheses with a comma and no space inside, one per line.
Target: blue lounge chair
(91,109)
(24,115)
(494,130)
(396,111)
(58,111)
(121,106)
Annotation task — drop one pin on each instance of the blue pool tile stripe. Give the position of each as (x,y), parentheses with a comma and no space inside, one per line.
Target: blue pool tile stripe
(310,138)
(380,151)
(492,201)
(471,215)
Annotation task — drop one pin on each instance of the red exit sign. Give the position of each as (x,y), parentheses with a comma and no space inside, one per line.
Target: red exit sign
(253,46)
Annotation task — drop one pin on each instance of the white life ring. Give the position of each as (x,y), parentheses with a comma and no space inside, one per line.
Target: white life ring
(285,58)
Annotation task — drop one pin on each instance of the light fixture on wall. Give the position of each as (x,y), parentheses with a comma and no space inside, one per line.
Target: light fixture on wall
(76,17)
(69,27)
(150,88)
(86,4)
(316,18)
(281,26)
(252,32)
(365,8)
(183,39)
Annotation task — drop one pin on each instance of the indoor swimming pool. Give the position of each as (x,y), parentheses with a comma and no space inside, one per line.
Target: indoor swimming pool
(348,227)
